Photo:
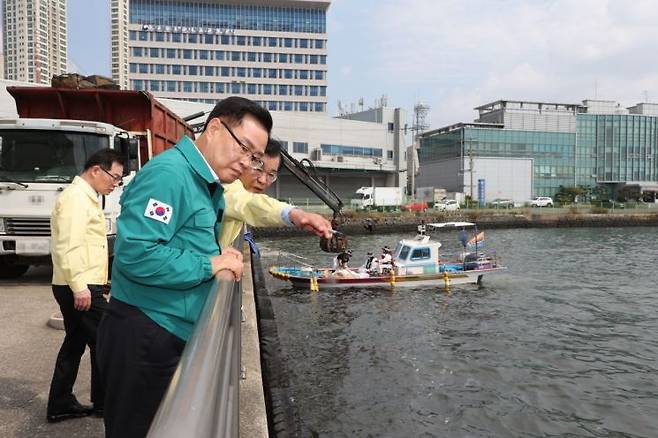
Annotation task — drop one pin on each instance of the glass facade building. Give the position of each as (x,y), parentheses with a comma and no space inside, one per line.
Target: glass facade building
(616,148)
(609,150)
(233,16)
(552,152)
(204,51)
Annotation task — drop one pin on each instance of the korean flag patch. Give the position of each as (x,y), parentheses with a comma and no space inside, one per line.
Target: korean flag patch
(158,211)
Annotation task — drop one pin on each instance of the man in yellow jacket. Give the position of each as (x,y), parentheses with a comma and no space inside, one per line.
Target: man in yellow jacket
(246,202)
(80,264)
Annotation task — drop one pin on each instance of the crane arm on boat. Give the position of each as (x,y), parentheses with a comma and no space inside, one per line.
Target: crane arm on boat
(304,171)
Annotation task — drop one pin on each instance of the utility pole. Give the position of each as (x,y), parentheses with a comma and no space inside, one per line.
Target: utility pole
(470,167)
(471,164)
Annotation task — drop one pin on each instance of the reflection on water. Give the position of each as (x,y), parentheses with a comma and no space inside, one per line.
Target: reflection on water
(562,344)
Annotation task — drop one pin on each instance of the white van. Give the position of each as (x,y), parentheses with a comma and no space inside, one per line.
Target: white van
(542,201)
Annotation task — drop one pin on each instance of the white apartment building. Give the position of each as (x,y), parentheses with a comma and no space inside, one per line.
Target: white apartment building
(119,40)
(273,52)
(34,39)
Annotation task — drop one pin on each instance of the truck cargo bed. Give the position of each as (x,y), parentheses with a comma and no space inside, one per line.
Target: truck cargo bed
(129,110)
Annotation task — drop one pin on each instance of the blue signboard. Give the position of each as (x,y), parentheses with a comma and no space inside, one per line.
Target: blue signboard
(481,192)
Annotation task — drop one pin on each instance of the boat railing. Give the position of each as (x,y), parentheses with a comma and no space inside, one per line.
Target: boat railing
(202,399)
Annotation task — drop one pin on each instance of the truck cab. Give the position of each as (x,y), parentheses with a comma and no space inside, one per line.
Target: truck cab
(38,159)
(376,197)
(362,198)
(43,150)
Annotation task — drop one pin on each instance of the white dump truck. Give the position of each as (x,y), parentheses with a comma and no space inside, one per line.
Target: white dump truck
(43,150)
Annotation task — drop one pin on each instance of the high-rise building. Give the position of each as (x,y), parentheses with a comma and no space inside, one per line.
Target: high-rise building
(273,52)
(119,38)
(34,39)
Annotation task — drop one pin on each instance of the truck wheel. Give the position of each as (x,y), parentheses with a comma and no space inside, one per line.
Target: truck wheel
(11,270)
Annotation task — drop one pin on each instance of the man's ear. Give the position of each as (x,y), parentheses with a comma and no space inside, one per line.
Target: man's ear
(214,125)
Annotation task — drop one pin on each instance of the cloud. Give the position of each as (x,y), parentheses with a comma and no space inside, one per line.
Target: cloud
(471,52)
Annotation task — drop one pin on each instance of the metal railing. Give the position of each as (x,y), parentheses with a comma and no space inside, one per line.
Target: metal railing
(202,399)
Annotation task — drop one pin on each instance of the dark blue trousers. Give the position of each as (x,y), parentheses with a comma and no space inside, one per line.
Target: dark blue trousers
(137,359)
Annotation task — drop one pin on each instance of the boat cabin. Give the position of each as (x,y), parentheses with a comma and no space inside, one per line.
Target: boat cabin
(421,255)
(417,256)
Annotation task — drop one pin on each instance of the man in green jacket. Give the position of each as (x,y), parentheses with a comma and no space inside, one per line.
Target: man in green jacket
(166,257)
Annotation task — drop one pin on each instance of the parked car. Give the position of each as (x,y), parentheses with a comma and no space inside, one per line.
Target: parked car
(415,206)
(542,201)
(502,203)
(448,205)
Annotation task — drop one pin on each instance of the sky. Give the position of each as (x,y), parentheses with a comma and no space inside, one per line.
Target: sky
(454,55)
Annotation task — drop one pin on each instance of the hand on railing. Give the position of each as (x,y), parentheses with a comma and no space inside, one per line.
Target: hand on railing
(228,265)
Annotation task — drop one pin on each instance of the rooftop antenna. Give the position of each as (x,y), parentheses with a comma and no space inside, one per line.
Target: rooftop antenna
(420,123)
(596,88)
(645,94)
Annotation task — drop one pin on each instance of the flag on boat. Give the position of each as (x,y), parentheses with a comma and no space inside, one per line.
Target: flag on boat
(479,238)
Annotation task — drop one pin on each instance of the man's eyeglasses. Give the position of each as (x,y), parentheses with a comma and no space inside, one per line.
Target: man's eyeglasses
(256,163)
(116,178)
(271,176)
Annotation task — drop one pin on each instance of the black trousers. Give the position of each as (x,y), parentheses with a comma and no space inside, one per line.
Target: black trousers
(137,359)
(81,328)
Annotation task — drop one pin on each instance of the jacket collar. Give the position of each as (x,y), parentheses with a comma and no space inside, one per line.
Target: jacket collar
(85,187)
(193,156)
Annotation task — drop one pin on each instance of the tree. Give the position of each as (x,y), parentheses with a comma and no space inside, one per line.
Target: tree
(568,195)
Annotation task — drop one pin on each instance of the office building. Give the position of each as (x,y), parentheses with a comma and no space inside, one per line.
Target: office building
(520,147)
(273,52)
(361,149)
(34,39)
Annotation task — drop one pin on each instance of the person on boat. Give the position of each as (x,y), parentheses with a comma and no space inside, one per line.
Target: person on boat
(385,261)
(370,266)
(341,269)
(343,259)
(369,260)
(422,229)
(463,238)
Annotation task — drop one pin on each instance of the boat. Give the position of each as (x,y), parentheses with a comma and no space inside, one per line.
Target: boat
(416,262)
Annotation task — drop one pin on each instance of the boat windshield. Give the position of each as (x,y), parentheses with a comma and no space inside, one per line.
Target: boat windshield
(404,252)
(46,156)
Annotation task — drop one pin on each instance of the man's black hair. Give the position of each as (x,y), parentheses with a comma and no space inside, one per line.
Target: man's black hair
(273,150)
(233,109)
(105,158)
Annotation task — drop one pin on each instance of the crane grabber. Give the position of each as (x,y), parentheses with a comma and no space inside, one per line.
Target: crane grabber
(305,172)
